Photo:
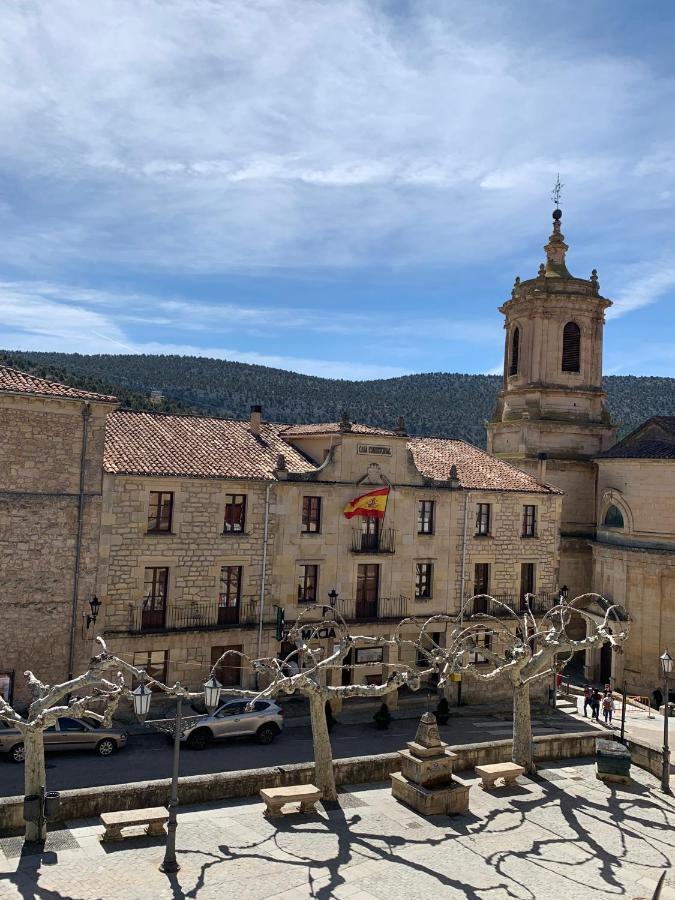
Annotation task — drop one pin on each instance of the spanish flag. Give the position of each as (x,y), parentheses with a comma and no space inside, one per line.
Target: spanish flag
(371,505)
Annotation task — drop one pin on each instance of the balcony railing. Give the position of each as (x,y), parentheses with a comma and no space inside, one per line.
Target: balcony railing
(191,616)
(538,604)
(382,542)
(379,609)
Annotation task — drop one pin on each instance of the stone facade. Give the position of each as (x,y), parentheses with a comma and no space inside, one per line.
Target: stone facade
(42,512)
(194,551)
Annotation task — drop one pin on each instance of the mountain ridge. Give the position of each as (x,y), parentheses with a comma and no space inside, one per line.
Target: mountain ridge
(445,404)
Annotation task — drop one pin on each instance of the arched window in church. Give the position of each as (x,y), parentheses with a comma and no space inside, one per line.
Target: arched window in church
(613,517)
(571,347)
(515,351)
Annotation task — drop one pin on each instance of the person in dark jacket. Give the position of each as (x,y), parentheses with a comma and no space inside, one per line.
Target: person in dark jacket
(595,704)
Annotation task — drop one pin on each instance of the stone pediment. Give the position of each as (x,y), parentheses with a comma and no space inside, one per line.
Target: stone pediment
(374,475)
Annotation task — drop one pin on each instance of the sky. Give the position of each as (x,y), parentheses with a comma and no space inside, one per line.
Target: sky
(340,188)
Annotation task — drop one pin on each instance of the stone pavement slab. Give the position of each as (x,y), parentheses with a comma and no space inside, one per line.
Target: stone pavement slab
(560,835)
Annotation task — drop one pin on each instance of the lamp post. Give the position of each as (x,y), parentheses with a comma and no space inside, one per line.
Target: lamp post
(141,697)
(333,597)
(666,669)
(94,605)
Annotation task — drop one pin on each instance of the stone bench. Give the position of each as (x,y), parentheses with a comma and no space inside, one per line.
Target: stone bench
(489,774)
(154,817)
(275,798)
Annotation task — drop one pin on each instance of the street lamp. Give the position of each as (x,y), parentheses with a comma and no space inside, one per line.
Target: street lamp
(212,690)
(563,593)
(95,605)
(666,668)
(141,696)
(333,596)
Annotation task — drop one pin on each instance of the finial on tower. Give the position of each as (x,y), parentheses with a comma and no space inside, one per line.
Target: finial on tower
(556,247)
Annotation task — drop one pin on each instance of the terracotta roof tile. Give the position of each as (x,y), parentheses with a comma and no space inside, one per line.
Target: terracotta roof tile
(476,469)
(194,447)
(332,428)
(13,381)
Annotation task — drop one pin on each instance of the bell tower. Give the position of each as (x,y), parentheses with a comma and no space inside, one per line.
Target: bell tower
(550,418)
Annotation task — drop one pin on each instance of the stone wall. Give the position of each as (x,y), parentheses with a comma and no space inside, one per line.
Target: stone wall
(194,552)
(88,802)
(40,456)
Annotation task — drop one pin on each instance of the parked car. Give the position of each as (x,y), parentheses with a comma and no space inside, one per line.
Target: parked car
(66,734)
(231,719)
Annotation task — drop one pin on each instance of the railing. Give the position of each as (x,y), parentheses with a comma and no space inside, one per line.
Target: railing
(190,616)
(538,604)
(382,608)
(382,542)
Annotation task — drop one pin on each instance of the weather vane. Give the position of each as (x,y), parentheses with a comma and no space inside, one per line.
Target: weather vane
(557,190)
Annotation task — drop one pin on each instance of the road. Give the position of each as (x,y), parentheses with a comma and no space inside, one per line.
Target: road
(148,756)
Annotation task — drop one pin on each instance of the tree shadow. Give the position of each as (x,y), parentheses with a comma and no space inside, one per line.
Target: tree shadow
(27,875)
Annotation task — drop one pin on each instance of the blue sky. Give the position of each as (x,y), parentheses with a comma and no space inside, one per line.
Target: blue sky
(340,188)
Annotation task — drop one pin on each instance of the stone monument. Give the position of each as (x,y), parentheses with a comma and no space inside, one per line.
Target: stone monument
(425,781)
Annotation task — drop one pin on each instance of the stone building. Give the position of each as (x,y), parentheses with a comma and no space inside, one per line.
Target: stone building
(618,514)
(51,456)
(211,525)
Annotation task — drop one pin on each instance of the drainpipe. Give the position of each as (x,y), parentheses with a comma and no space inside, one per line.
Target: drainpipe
(463,577)
(264,567)
(86,414)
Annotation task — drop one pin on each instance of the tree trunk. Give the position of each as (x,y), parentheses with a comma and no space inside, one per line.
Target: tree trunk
(522,728)
(324,776)
(34,778)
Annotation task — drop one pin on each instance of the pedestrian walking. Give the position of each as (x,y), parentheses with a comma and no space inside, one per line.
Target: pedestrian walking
(588,695)
(608,708)
(595,704)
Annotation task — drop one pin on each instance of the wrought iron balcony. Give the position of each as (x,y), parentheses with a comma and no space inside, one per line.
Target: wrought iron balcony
(379,609)
(382,542)
(538,604)
(193,616)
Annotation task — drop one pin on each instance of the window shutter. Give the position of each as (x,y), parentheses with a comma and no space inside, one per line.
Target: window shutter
(571,347)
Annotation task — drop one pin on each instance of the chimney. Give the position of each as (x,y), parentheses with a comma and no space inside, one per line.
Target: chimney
(256,419)
(541,471)
(400,427)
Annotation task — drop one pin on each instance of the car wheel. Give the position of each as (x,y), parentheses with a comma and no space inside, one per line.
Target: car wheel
(106,747)
(18,753)
(200,739)
(266,734)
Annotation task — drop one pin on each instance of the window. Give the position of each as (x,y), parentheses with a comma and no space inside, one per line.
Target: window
(424,573)
(483,520)
(369,655)
(613,517)
(515,351)
(155,592)
(311,515)
(482,641)
(571,347)
(367,589)
(6,686)
(425,516)
(154,662)
(308,579)
(370,533)
(160,512)
(481,578)
(529,521)
(228,671)
(481,585)
(235,513)
(230,586)
(68,724)
(526,582)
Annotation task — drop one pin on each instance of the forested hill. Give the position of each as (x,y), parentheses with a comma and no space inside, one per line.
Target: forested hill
(440,403)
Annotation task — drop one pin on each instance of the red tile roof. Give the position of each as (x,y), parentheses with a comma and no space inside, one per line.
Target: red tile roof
(15,382)
(332,428)
(190,446)
(476,470)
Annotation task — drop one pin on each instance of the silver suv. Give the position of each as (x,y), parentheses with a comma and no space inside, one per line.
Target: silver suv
(66,734)
(231,719)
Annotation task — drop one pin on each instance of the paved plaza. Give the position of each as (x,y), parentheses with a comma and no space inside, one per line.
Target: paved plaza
(561,835)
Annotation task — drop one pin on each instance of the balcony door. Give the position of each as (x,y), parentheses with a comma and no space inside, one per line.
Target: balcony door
(481,585)
(526,582)
(367,590)
(370,533)
(229,595)
(155,589)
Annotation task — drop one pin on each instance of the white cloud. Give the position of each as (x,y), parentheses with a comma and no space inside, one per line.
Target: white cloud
(652,281)
(221,135)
